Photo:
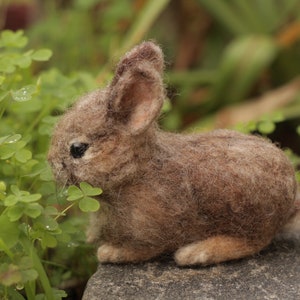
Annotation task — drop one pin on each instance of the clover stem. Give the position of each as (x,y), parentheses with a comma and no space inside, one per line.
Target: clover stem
(63,213)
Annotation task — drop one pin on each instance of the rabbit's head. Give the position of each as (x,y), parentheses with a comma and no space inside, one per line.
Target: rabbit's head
(100,139)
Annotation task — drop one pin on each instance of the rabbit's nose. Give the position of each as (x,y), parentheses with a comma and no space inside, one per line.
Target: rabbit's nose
(55,161)
(57,165)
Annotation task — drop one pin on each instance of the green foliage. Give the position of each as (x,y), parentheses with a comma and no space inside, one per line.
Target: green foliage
(31,210)
(264,125)
(108,28)
(251,47)
(83,194)
(247,17)
(241,66)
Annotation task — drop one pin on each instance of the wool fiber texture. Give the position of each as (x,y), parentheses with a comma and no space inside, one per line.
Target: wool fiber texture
(206,197)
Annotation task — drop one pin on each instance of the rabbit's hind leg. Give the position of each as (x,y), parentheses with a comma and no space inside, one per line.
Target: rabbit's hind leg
(216,249)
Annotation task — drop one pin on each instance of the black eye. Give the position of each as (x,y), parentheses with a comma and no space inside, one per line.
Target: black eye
(77,150)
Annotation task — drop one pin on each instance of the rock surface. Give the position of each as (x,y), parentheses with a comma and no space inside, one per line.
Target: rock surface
(273,274)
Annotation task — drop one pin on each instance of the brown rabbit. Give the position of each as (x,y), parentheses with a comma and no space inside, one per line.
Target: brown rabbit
(208,197)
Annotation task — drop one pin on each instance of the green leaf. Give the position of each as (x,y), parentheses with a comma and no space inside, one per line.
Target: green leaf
(3,95)
(29,275)
(13,294)
(47,124)
(13,39)
(41,55)
(10,235)
(23,155)
(15,190)
(25,262)
(48,223)
(24,94)
(74,193)
(88,204)
(10,200)
(266,127)
(33,210)
(9,139)
(46,174)
(50,211)
(30,198)
(6,152)
(9,274)
(15,212)
(89,190)
(277,117)
(2,195)
(56,295)
(64,238)
(2,186)
(6,66)
(59,294)
(26,267)
(23,61)
(48,241)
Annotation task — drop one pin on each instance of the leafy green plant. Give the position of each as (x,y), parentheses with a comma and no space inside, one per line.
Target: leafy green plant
(32,210)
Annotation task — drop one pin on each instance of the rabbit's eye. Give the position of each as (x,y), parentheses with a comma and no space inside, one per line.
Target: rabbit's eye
(77,150)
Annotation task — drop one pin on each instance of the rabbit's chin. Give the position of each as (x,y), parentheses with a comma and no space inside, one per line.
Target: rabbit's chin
(73,180)
(66,179)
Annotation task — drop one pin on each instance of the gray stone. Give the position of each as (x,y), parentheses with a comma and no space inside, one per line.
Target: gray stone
(272,274)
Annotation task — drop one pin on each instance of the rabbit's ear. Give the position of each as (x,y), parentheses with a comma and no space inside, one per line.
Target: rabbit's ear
(137,92)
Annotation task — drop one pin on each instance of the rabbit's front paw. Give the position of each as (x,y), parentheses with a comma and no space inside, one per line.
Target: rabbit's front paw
(92,235)
(112,254)
(109,254)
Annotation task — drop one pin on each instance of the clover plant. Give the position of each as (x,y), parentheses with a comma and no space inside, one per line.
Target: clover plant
(39,234)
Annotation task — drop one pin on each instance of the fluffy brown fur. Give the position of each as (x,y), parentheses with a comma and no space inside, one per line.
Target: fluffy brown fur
(206,197)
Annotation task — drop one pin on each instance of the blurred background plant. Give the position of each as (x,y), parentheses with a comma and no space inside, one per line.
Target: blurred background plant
(232,64)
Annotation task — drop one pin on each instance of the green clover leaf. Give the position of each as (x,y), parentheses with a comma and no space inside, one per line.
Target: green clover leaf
(12,39)
(74,193)
(83,194)
(24,94)
(88,204)
(88,190)
(10,235)
(41,55)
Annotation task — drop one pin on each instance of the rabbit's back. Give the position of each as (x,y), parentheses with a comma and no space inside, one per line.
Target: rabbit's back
(232,158)
(225,164)
(221,182)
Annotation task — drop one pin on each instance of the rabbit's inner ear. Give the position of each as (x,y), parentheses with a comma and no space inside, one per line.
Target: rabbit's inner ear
(140,100)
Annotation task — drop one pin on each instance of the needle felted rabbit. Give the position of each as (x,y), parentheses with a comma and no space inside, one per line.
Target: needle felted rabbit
(207,197)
